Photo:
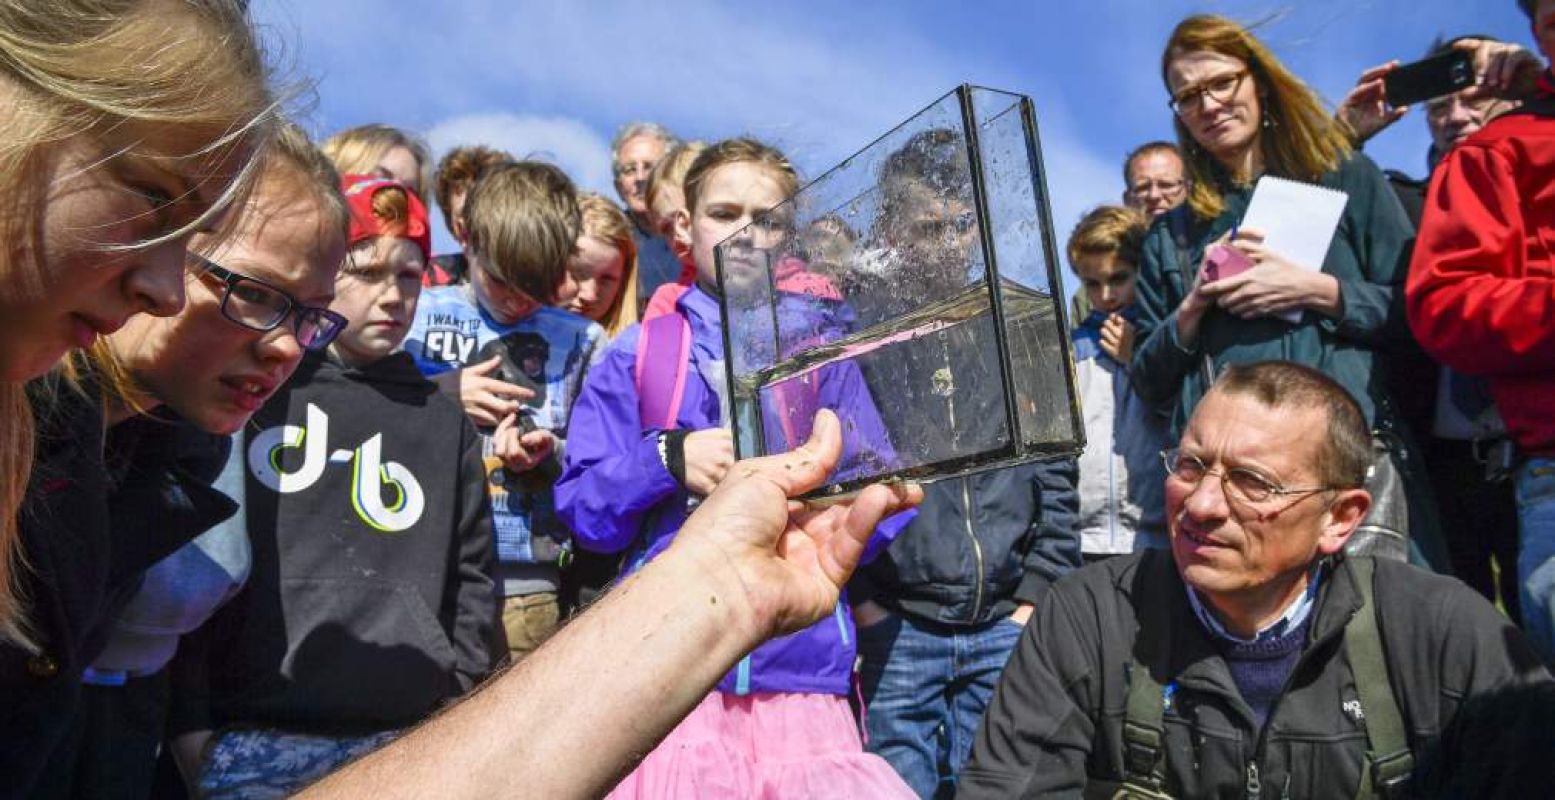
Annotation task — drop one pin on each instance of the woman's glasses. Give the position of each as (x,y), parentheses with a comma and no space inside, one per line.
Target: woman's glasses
(258,306)
(1220,89)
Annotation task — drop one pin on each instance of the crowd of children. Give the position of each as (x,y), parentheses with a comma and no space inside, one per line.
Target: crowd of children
(331,481)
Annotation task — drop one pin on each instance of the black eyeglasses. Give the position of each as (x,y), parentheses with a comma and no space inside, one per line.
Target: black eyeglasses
(1221,88)
(1239,483)
(258,306)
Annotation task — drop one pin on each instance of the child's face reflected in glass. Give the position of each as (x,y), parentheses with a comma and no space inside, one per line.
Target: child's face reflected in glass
(933,231)
(732,197)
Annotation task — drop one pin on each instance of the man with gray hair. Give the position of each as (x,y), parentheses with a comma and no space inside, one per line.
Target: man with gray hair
(637,147)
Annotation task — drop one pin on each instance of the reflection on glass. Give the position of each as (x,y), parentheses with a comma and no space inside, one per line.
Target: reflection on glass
(911,292)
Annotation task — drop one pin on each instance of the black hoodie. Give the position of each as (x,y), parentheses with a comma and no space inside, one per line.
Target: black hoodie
(371,600)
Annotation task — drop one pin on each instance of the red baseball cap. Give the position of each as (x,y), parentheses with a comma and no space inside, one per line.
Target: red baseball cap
(359,191)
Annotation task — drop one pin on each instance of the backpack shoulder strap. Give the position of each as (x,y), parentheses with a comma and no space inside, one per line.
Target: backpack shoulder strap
(1144,734)
(663,300)
(1389,760)
(663,358)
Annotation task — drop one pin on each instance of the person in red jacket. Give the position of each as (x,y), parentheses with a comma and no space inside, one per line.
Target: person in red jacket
(1481,298)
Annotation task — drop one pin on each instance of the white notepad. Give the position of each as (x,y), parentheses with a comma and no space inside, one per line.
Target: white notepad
(1298,221)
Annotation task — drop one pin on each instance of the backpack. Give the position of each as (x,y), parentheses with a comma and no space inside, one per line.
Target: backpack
(1389,761)
(663,357)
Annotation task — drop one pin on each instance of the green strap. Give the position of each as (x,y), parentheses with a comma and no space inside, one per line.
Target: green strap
(1143,732)
(1389,761)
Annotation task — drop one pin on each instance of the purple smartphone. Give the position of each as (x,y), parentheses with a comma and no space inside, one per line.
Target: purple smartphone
(1224,261)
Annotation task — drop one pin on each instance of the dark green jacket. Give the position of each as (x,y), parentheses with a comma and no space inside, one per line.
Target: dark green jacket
(1369,256)
(1056,720)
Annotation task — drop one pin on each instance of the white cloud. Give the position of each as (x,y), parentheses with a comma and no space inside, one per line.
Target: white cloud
(568,143)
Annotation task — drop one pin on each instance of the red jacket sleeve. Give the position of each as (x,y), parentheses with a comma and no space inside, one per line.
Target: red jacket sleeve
(1481,294)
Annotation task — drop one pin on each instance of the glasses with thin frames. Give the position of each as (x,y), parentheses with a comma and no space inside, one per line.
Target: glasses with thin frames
(623,168)
(1143,188)
(1240,483)
(1220,88)
(258,306)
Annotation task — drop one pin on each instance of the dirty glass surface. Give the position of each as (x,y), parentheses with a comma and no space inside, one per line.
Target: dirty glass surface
(878,291)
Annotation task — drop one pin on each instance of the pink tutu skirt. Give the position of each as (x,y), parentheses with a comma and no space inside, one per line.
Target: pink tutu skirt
(764,746)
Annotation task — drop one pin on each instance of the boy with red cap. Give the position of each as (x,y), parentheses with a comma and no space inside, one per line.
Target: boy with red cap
(371,601)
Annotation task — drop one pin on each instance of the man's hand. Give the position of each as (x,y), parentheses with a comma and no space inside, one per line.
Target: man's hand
(1365,110)
(789,559)
(1117,338)
(1505,70)
(1022,613)
(521,450)
(709,455)
(485,400)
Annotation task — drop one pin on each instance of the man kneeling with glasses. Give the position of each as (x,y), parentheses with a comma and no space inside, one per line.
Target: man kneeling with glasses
(1255,656)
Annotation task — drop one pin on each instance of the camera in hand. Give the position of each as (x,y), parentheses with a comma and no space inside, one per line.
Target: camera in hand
(524,356)
(1428,78)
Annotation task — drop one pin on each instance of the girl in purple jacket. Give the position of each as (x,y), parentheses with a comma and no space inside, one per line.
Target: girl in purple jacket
(779,724)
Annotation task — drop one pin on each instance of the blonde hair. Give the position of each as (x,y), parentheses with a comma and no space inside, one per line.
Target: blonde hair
(293,159)
(458,171)
(606,222)
(1300,141)
(184,78)
(672,168)
(736,151)
(522,221)
(357,151)
(1108,231)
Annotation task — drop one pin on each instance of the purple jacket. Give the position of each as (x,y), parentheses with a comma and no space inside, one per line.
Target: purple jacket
(617,495)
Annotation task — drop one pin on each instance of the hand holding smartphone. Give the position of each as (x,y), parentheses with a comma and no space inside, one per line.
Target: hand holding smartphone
(1428,78)
(1224,261)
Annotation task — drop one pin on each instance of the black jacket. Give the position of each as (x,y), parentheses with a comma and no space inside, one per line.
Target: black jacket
(978,545)
(1057,717)
(154,489)
(371,600)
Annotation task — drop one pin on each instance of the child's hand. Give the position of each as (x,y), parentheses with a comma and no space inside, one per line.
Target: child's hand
(709,454)
(521,451)
(1117,338)
(486,400)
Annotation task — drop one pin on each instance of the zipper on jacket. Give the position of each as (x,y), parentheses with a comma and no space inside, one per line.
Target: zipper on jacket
(1254,788)
(977,548)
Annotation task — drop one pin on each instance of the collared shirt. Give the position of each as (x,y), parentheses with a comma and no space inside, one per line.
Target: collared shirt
(1295,614)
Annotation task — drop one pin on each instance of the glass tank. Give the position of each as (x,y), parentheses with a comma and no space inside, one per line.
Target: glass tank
(913,289)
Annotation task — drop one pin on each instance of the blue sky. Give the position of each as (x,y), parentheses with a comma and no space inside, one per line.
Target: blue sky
(817,79)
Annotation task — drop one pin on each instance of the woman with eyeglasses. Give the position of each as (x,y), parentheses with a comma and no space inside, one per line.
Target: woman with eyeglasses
(1240,115)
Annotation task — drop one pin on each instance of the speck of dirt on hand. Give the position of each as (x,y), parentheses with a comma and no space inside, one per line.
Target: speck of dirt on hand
(713,599)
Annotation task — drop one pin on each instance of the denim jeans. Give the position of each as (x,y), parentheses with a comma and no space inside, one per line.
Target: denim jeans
(1536,558)
(925,687)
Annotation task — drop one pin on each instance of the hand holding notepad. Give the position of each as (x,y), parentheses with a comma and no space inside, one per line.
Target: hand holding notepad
(1298,221)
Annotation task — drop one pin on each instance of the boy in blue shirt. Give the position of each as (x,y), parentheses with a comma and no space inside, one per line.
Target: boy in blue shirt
(516,364)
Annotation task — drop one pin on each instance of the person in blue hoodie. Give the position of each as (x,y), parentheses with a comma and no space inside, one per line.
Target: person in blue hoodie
(1122,504)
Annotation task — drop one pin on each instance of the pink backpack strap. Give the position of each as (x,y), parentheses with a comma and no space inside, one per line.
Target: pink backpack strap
(663,300)
(663,358)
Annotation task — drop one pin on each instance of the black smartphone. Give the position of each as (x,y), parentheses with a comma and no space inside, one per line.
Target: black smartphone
(1428,78)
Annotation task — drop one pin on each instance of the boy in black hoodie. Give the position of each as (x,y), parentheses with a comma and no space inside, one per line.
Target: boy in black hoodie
(371,600)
